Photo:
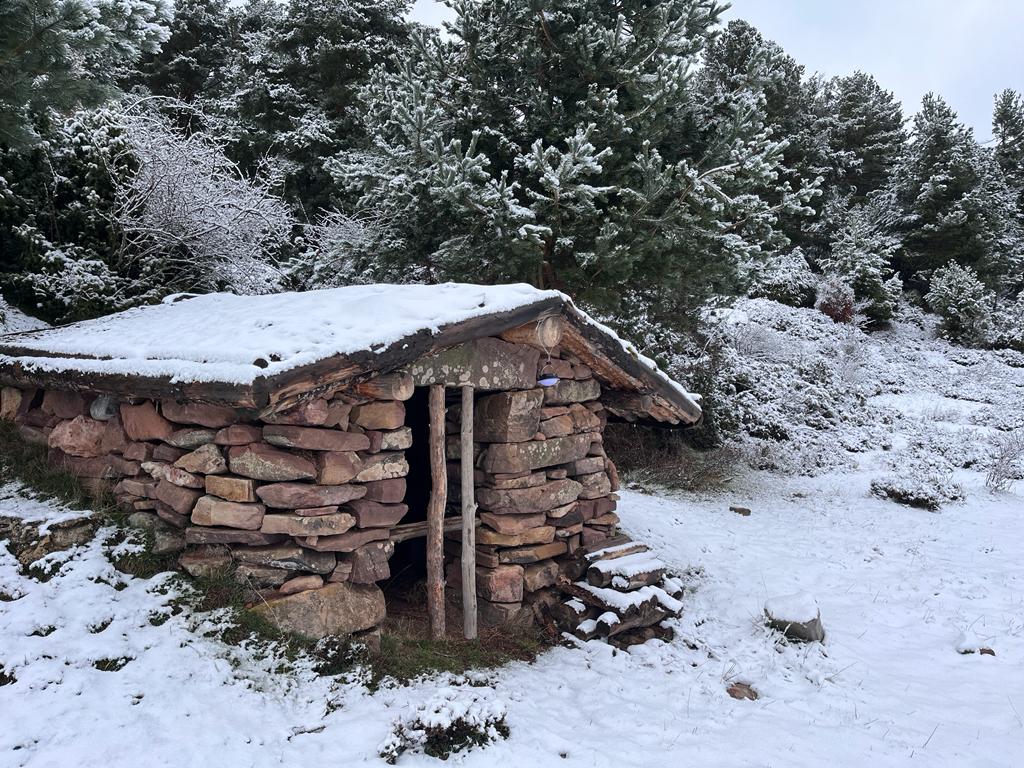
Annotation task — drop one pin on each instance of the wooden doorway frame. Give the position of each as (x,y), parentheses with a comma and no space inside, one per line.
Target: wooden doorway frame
(436,519)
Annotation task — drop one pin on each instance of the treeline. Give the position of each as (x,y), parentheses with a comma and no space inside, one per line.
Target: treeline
(638,155)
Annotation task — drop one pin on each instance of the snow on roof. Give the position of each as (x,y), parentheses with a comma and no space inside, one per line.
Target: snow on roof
(227,338)
(231,339)
(14,321)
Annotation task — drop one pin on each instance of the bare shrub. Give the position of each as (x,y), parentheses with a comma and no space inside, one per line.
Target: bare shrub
(1008,462)
(836,299)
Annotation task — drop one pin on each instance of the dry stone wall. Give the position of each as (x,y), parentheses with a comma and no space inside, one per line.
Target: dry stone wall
(544,488)
(299,506)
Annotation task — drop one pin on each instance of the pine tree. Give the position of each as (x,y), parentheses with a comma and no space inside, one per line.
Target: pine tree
(1008,129)
(288,90)
(866,134)
(57,230)
(860,255)
(952,203)
(963,303)
(742,59)
(193,56)
(59,54)
(573,148)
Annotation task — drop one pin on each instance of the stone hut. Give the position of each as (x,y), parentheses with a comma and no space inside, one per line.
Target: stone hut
(326,444)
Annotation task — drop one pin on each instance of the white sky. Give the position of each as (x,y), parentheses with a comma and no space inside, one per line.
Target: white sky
(966,50)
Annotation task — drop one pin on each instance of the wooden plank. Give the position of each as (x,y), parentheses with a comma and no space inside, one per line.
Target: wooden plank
(468,519)
(435,514)
(407,531)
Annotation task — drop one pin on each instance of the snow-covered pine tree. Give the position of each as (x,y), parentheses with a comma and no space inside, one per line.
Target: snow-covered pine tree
(287,93)
(866,135)
(963,303)
(791,110)
(57,231)
(571,147)
(192,58)
(59,54)
(952,203)
(1008,130)
(861,254)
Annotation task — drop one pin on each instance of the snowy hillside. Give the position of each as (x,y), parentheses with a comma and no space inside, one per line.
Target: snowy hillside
(909,598)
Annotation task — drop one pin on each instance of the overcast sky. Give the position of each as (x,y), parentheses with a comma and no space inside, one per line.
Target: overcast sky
(966,50)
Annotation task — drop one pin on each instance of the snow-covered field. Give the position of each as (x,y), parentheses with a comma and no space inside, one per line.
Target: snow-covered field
(901,590)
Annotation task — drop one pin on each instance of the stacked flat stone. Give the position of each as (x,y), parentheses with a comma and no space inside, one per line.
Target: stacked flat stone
(303,501)
(544,488)
(301,504)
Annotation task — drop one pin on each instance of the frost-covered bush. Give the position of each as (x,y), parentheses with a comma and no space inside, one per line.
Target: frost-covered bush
(959,297)
(925,483)
(453,720)
(1007,465)
(1006,330)
(786,384)
(860,256)
(836,300)
(786,278)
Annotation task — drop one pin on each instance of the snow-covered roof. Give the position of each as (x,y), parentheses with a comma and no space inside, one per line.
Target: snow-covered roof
(236,340)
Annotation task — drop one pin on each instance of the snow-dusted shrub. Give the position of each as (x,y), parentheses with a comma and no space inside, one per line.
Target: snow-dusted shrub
(1006,330)
(786,384)
(1008,461)
(453,720)
(836,300)
(959,297)
(331,245)
(786,278)
(188,211)
(925,483)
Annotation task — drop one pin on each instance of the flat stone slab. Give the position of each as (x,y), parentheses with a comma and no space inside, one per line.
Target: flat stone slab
(339,608)
(304,495)
(520,457)
(314,439)
(299,525)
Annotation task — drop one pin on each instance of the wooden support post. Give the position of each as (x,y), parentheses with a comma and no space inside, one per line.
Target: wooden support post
(468,519)
(435,514)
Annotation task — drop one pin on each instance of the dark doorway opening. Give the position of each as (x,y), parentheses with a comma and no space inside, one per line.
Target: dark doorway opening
(409,563)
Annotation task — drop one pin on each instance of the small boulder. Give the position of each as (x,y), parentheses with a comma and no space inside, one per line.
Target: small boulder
(339,608)
(796,616)
(142,422)
(81,436)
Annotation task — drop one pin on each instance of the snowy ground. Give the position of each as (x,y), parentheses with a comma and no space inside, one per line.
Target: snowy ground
(900,590)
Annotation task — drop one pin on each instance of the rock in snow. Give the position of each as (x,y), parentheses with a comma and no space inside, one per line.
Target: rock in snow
(797,616)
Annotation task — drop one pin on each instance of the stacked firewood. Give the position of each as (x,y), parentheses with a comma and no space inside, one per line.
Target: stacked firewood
(618,591)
